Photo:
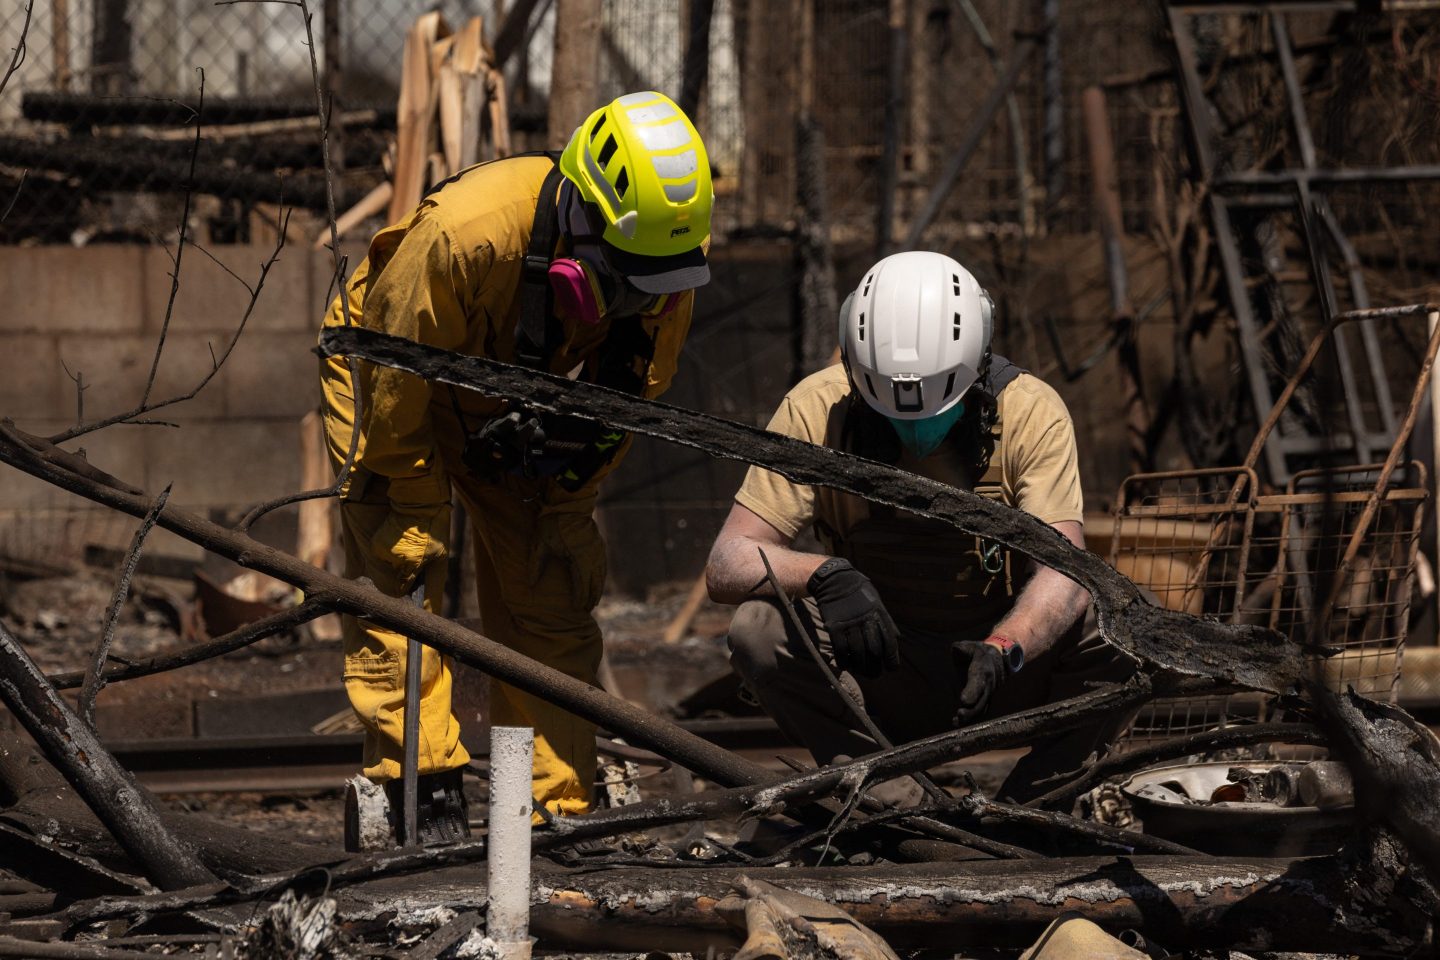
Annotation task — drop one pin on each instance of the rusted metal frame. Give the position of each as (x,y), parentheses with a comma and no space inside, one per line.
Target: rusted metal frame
(1246,479)
(1382,482)
(1360,300)
(1309,208)
(1024,46)
(1308,360)
(1340,496)
(1244,180)
(1168,639)
(1249,329)
(107,788)
(1285,51)
(1201,126)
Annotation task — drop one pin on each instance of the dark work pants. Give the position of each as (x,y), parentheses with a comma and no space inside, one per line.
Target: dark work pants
(919,698)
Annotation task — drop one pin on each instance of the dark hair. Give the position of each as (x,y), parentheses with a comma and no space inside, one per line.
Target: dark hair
(974,433)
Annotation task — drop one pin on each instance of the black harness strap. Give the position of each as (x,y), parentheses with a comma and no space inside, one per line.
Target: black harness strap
(1002,373)
(538,334)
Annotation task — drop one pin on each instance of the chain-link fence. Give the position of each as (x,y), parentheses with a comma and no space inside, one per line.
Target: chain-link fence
(99,117)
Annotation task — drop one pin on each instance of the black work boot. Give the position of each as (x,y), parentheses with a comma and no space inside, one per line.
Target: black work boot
(442,813)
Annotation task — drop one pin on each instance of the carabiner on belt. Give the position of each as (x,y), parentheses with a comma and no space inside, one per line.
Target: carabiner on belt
(992,560)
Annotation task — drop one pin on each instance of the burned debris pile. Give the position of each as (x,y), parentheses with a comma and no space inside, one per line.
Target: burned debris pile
(842,872)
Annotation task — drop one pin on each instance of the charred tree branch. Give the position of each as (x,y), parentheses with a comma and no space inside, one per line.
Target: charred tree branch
(237,639)
(95,673)
(637,726)
(107,788)
(1249,656)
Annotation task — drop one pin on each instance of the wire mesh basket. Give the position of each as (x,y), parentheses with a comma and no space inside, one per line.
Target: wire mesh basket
(1185,536)
(1204,542)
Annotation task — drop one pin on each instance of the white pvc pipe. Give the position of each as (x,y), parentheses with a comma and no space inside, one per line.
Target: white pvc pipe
(507,921)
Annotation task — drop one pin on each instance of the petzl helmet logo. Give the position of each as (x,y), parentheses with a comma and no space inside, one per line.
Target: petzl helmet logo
(679,231)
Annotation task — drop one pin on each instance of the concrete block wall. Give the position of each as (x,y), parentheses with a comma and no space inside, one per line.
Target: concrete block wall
(97,312)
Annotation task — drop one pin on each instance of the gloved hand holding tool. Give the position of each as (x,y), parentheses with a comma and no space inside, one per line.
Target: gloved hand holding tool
(862,635)
(530,444)
(984,664)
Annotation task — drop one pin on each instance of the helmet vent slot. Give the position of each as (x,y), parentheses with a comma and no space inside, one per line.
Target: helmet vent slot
(866,291)
(622,182)
(607,151)
(949,386)
(955,283)
(595,130)
(871,386)
(860,327)
(955,327)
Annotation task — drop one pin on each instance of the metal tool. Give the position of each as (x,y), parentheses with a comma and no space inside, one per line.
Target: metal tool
(410,764)
(932,789)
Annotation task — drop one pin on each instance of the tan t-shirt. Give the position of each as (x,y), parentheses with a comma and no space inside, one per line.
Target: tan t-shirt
(1033,466)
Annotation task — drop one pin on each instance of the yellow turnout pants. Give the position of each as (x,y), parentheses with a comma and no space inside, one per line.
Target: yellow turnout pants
(540,566)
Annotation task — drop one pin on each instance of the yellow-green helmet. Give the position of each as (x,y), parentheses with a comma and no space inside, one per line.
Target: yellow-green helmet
(640,160)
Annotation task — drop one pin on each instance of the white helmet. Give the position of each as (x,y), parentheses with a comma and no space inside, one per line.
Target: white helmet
(915,334)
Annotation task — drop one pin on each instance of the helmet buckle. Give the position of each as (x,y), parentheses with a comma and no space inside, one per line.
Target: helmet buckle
(909,392)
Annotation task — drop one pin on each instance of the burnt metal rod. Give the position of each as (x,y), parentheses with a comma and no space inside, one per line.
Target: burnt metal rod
(1248,656)
(410,772)
(856,708)
(982,808)
(1247,179)
(107,788)
(974,133)
(38,458)
(1010,731)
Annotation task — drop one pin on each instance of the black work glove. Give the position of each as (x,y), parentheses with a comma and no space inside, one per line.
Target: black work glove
(983,666)
(576,448)
(528,444)
(509,444)
(862,634)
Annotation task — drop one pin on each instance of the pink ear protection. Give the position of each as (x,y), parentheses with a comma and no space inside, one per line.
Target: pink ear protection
(575,293)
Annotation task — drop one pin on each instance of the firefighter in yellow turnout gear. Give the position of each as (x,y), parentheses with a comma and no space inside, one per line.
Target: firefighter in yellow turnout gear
(584,266)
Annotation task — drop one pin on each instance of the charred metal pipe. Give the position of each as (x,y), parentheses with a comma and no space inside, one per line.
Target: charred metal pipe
(107,788)
(1189,902)
(640,727)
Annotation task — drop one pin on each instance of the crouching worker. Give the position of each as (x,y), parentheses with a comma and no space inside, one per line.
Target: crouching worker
(930,628)
(582,265)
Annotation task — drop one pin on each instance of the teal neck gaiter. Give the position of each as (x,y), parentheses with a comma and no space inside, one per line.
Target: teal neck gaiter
(922,437)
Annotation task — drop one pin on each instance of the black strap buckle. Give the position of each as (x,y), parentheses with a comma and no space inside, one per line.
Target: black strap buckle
(535,267)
